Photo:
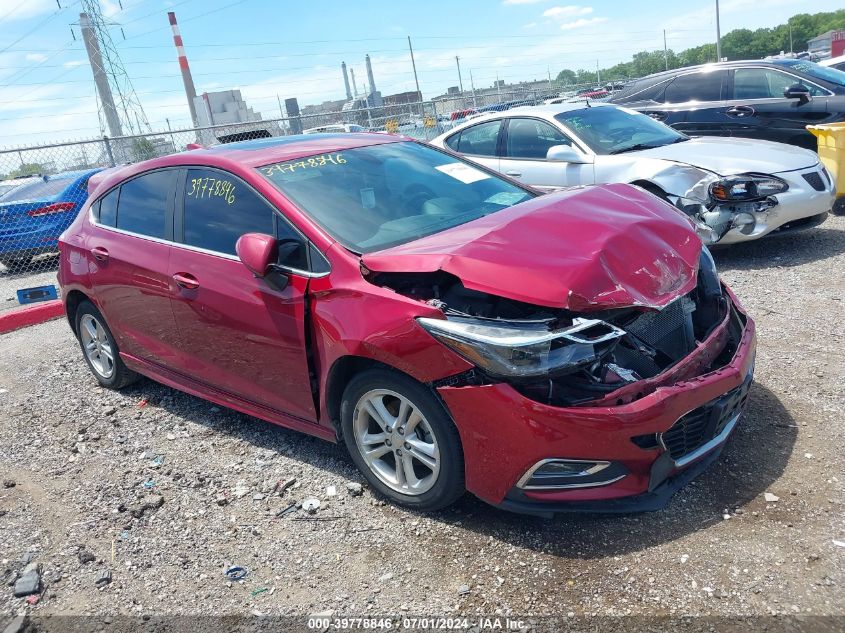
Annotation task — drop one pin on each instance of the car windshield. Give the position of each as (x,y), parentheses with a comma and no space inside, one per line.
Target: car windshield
(371,198)
(37,189)
(812,69)
(613,130)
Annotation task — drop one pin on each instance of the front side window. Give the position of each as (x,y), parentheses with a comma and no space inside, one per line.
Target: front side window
(478,140)
(219,208)
(614,130)
(142,206)
(530,138)
(766,83)
(700,86)
(371,198)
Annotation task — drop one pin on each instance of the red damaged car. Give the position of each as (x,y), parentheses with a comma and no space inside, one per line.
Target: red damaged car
(455,329)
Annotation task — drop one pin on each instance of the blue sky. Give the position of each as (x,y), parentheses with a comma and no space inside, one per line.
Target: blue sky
(289,48)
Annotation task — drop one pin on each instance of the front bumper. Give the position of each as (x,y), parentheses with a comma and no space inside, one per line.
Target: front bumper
(799,202)
(504,434)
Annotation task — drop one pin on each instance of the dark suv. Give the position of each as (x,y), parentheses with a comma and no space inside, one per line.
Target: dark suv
(773,100)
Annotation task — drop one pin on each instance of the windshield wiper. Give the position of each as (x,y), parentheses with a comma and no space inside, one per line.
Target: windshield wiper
(633,148)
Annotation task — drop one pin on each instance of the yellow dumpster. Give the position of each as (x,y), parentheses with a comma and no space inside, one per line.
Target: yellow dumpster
(831,138)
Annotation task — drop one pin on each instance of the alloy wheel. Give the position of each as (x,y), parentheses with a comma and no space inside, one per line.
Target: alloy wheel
(396,442)
(97,346)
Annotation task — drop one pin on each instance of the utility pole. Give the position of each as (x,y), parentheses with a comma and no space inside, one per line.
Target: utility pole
(549,71)
(101,80)
(718,35)
(460,81)
(789,24)
(281,109)
(414,66)
(472,85)
(665,50)
(598,75)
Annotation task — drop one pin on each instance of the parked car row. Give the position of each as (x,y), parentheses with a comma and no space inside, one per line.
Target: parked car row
(733,189)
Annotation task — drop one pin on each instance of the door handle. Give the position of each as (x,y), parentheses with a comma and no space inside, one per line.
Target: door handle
(513,174)
(186,281)
(100,253)
(740,111)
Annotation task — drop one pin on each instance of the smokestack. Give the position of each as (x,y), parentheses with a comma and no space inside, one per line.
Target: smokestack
(190,91)
(370,73)
(346,81)
(354,87)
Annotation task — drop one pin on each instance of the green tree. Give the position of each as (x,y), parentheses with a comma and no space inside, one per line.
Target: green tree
(566,76)
(27,169)
(143,149)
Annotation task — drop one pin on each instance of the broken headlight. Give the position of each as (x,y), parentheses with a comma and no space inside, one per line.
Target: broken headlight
(746,187)
(514,350)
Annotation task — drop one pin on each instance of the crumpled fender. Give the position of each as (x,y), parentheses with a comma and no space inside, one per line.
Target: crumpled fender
(585,249)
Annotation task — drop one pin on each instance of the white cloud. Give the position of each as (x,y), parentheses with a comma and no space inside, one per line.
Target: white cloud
(36,57)
(515,2)
(577,24)
(530,25)
(74,63)
(566,12)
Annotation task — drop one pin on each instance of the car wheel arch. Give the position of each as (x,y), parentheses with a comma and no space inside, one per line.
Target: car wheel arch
(341,373)
(651,187)
(72,301)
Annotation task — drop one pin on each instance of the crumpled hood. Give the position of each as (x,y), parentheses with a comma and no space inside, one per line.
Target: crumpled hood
(729,156)
(581,249)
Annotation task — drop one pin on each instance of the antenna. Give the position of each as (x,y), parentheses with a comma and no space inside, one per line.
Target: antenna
(118,103)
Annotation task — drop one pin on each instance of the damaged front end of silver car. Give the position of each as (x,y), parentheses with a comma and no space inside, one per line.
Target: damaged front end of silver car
(718,205)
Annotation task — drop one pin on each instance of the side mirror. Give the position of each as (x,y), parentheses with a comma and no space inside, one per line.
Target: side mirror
(566,154)
(797,91)
(257,251)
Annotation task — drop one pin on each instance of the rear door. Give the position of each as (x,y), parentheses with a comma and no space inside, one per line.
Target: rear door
(526,142)
(239,334)
(479,143)
(129,251)
(696,103)
(759,110)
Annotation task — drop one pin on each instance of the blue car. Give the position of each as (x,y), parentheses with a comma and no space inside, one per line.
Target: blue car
(34,214)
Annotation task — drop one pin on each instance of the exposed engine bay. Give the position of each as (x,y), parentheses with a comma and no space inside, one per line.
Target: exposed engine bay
(558,357)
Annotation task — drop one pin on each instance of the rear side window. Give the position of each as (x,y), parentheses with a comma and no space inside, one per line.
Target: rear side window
(478,140)
(142,206)
(219,208)
(107,214)
(701,86)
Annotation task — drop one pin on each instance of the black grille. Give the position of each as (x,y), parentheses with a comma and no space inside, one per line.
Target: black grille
(701,425)
(814,179)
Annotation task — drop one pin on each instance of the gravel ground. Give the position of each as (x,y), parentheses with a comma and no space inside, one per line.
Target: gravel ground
(165,492)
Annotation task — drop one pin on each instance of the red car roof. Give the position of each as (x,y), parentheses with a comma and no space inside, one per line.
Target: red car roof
(254,153)
(276,149)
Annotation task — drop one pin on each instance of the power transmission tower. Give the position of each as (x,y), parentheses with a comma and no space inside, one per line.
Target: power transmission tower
(118,103)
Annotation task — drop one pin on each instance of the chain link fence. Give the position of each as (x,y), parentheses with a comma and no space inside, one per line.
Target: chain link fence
(43,187)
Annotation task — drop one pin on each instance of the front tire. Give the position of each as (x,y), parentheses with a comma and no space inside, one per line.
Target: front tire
(402,439)
(100,349)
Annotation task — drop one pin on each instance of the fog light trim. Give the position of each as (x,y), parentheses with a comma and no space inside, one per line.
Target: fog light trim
(586,477)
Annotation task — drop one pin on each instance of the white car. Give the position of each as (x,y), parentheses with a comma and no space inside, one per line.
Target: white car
(335,128)
(834,62)
(734,189)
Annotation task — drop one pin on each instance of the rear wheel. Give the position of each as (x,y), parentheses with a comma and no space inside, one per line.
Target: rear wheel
(403,440)
(100,349)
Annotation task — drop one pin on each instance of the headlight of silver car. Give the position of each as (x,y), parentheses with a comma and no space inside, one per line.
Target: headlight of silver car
(514,350)
(746,187)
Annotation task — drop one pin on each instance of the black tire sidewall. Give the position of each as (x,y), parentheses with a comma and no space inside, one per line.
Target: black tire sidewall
(450,481)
